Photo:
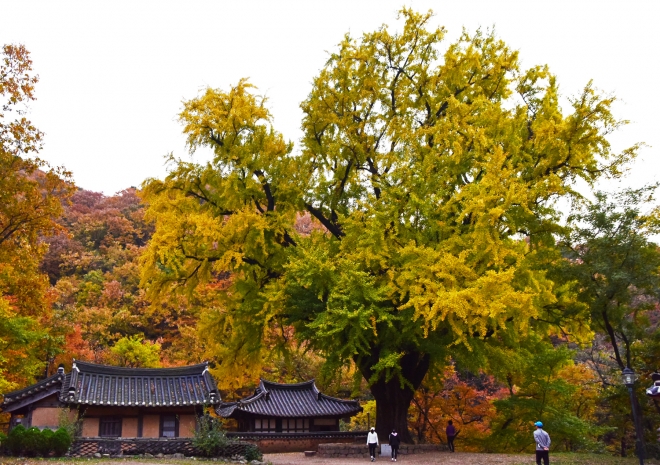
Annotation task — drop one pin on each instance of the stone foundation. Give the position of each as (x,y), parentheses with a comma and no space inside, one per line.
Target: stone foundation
(270,443)
(362,450)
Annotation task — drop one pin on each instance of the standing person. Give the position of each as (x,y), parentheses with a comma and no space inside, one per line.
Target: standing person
(372,442)
(395,441)
(542,440)
(451,434)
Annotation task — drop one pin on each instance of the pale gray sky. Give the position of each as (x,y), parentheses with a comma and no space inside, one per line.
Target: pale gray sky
(113,74)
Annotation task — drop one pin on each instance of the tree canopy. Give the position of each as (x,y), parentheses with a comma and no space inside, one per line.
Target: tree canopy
(417,242)
(616,265)
(433,176)
(31,197)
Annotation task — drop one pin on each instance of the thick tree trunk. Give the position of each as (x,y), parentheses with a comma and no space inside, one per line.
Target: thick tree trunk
(392,399)
(392,404)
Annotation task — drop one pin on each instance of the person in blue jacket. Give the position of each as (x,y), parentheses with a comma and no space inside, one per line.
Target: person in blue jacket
(542,440)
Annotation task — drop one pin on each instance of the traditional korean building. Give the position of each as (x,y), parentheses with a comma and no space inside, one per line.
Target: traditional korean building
(116,402)
(288,408)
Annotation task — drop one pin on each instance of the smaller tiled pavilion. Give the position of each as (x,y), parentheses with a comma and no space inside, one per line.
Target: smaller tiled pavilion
(288,408)
(117,402)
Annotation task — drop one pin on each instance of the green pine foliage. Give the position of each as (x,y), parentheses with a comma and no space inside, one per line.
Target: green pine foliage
(33,442)
(61,442)
(46,443)
(15,440)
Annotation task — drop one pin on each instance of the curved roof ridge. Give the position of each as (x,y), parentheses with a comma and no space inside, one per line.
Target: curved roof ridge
(89,367)
(298,400)
(252,398)
(337,399)
(32,388)
(305,384)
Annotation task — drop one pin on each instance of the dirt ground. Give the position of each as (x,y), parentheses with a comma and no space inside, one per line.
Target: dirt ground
(417,459)
(298,458)
(458,458)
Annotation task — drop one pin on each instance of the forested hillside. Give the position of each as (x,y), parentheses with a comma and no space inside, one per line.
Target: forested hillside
(426,249)
(94,272)
(93,266)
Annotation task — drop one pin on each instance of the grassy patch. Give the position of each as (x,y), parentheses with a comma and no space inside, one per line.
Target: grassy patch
(104,461)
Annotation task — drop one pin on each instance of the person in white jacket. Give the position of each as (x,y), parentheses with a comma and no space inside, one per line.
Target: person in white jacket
(372,442)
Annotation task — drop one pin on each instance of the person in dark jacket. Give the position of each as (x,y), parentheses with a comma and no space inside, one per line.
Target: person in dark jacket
(395,442)
(451,434)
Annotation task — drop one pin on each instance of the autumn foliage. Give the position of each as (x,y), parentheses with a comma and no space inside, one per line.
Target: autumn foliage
(410,251)
(467,402)
(31,200)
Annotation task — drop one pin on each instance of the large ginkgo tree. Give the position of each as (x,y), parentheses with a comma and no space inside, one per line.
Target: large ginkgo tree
(434,178)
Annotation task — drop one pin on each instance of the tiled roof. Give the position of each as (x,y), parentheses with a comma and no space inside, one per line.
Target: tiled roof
(92,384)
(42,386)
(289,400)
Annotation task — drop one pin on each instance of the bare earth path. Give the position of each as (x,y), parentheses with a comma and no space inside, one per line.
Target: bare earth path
(417,459)
(298,458)
(459,458)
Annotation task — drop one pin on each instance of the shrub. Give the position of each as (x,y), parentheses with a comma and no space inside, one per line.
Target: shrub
(32,441)
(46,442)
(70,421)
(61,442)
(3,443)
(209,437)
(252,452)
(14,442)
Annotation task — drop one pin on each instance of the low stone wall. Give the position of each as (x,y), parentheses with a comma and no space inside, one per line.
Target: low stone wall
(278,445)
(266,442)
(117,447)
(362,450)
(270,443)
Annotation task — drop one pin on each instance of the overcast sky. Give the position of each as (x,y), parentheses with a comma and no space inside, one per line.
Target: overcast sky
(113,74)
